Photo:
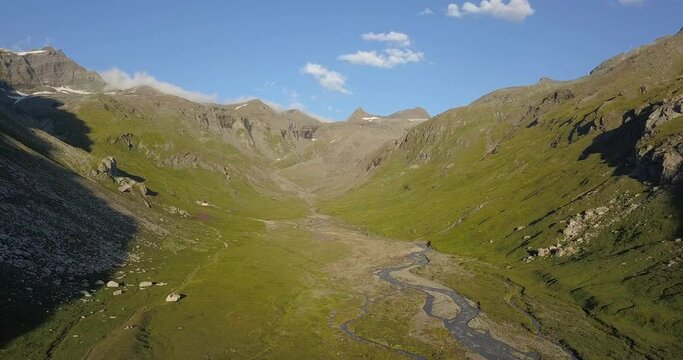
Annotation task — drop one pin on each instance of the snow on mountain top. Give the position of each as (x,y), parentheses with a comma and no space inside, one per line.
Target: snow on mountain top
(241,106)
(22,53)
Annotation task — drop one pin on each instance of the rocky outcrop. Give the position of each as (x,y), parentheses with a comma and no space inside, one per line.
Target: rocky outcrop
(665,112)
(660,161)
(33,70)
(586,226)
(107,167)
(661,164)
(127,140)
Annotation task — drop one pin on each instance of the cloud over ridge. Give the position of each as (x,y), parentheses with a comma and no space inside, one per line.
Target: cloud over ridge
(118,79)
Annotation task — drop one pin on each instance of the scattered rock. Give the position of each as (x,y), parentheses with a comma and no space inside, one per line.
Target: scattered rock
(146,284)
(112,284)
(99,282)
(520,228)
(117,292)
(203,203)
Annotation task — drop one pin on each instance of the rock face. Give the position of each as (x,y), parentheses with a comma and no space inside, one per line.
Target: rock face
(37,69)
(667,111)
(661,164)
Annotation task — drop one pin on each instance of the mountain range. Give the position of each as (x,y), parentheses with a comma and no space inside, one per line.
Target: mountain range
(555,208)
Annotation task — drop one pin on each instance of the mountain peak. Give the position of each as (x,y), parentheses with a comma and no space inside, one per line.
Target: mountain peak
(35,69)
(416,113)
(359,115)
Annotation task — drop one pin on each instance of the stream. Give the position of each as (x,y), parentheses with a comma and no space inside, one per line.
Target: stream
(481,343)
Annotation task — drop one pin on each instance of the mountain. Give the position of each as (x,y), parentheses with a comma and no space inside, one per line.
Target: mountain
(417,114)
(344,150)
(414,114)
(135,223)
(46,69)
(571,190)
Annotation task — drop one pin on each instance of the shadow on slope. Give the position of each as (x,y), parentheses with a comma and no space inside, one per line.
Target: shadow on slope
(57,230)
(619,149)
(62,124)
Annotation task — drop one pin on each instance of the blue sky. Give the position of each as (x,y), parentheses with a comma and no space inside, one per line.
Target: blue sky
(329,57)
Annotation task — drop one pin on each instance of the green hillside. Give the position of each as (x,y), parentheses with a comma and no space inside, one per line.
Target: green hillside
(569,189)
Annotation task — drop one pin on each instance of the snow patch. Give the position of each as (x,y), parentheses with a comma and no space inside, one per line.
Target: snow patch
(415,120)
(42,93)
(22,53)
(68,90)
(370,118)
(241,106)
(17,99)
(332,142)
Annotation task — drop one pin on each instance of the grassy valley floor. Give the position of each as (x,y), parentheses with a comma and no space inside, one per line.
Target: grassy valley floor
(272,289)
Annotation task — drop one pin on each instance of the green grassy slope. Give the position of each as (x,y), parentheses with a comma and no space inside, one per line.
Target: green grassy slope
(531,159)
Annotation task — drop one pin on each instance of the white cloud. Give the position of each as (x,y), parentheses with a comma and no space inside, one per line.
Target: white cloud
(387,60)
(632,2)
(120,80)
(514,10)
(397,38)
(330,80)
(426,11)
(453,10)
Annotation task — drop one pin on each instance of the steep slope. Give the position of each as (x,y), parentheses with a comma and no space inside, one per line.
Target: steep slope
(570,189)
(95,186)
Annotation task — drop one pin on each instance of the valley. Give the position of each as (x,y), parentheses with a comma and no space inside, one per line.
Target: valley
(540,221)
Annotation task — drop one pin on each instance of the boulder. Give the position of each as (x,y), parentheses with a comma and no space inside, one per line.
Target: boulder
(125,188)
(112,284)
(117,292)
(108,167)
(99,282)
(174,297)
(142,188)
(146,284)
(669,109)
